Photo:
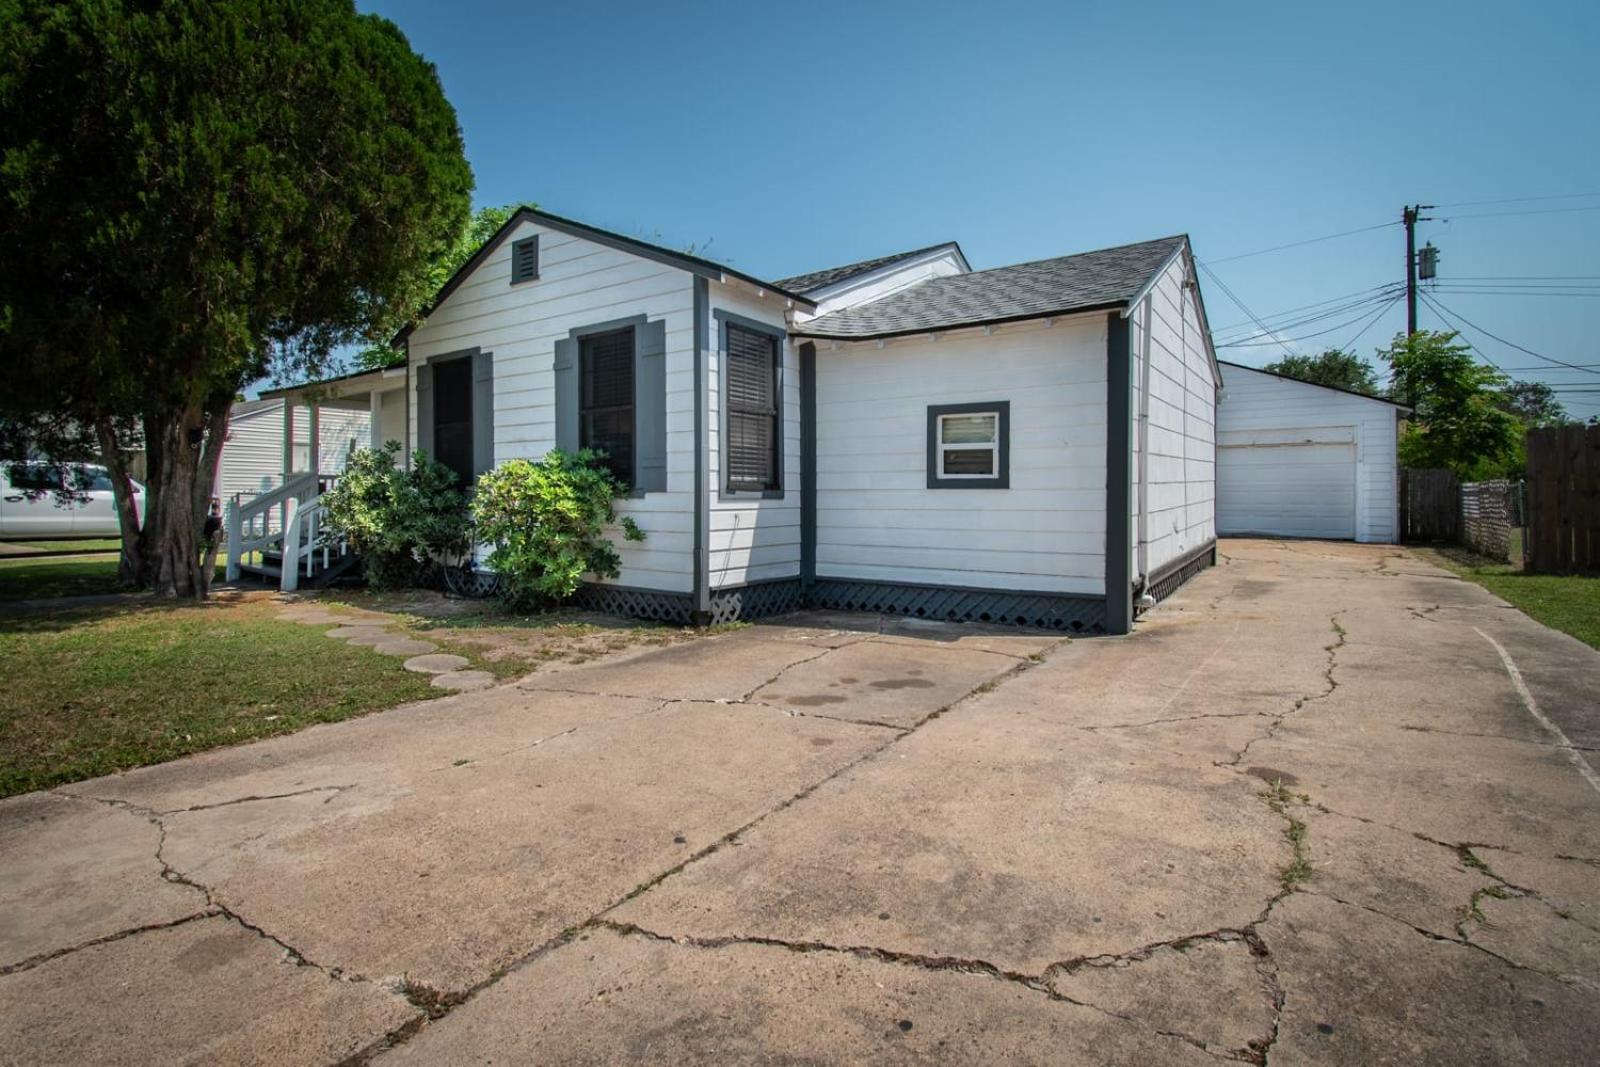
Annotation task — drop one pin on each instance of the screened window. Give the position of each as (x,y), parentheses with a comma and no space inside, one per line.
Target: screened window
(452,419)
(969,445)
(605,399)
(752,416)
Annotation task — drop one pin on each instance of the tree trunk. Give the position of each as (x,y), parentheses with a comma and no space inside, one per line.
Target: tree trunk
(130,566)
(176,490)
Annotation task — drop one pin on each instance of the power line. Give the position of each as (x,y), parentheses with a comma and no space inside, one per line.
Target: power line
(1509,214)
(1510,344)
(1308,336)
(1439,310)
(1307,307)
(1253,316)
(1520,200)
(1350,344)
(1307,241)
(1286,326)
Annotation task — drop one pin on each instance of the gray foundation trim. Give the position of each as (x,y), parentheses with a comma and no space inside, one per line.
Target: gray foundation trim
(723,319)
(808,464)
(1119,454)
(1167,580)
(633,603)
(1059,612)
(702,503)
(1002,474)
(758,600)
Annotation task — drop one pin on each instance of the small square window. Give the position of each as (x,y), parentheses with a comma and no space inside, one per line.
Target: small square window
(968,447)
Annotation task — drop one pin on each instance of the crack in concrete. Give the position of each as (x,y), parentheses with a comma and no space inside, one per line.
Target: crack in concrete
(1340,635)
(442,1003)
(1176,718)
(45,957)
(781,672)
(963,965)
(796,714)
(1567,980)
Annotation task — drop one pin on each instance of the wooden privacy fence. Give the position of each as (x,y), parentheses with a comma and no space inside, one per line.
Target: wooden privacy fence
(1564,500)
(1429,505)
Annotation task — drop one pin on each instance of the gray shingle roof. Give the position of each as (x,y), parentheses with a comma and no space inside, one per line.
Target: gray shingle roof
(818,279)
(1107,278)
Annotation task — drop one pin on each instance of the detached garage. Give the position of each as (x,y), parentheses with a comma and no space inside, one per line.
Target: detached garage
(1302,460)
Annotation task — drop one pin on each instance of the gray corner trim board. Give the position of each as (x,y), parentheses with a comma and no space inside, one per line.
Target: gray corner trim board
(702,503)
(1119,456)
(808,464)
(778,334)
(1002,474)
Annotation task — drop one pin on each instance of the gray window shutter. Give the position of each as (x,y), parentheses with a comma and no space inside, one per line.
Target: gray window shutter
(482,412)
(425,408)
(650,406)
(566,374)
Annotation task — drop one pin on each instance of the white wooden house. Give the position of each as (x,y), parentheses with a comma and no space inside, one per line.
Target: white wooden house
(255,460)
(1030,444)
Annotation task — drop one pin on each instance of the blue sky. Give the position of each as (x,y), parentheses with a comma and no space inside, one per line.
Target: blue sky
(780,139)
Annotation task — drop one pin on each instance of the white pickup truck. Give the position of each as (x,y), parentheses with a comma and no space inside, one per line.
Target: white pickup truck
(39,501)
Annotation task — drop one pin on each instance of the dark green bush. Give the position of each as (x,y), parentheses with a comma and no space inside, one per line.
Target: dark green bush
(397,519)
(546,521)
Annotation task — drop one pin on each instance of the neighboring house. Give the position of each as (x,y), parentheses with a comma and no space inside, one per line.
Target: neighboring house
(1301,460)
(1031,444)
(253,456)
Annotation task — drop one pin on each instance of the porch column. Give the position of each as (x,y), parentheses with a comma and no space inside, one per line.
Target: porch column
(375,400)
(288,438)
(314,460)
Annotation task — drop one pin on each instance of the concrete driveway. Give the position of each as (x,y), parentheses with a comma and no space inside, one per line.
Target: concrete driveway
(1327,805)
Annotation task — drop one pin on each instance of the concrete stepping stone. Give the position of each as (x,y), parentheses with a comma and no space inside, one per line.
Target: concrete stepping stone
(436,663)
(313,618)
(374,636)
(463,681)
(405,646)
(363,630)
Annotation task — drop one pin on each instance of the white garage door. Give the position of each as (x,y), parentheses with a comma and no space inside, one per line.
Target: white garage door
(1291,489)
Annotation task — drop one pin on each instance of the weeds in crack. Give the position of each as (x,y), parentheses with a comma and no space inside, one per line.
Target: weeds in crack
(1279,798)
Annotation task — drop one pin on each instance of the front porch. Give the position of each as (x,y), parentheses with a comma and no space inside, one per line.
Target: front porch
(278,535)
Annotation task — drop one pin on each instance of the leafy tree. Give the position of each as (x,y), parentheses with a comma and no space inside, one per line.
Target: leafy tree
(1334,367)
(1534,403)
(193,191)
(484,224)
(1456,420)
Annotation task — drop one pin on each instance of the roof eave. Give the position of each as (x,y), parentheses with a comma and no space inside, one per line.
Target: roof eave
(703,268)
(921,331)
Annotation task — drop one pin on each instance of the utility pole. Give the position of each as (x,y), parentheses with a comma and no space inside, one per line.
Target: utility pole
(1411,216)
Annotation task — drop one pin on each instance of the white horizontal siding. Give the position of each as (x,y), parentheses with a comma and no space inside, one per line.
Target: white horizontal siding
(751,539)
(1260,407)
(1180,470)
(876,518)
(580,283)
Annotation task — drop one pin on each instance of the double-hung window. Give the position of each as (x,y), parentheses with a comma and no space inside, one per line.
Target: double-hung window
(605,399)
(752,417)
(968,446)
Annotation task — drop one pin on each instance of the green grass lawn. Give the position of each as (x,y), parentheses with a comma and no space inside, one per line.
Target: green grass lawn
(1567,603)
(91,691)
(29,579)
(87,544)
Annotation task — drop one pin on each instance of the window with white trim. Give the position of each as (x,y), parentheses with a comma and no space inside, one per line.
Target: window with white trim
(968,446)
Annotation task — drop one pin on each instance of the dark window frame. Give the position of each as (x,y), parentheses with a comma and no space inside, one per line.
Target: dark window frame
(517,248)
(728,489)
(586,343)
(1002,475)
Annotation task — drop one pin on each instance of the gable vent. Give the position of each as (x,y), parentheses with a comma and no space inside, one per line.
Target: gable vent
(525,260)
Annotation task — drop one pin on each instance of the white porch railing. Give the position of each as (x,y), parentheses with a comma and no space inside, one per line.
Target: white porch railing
(297,539)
